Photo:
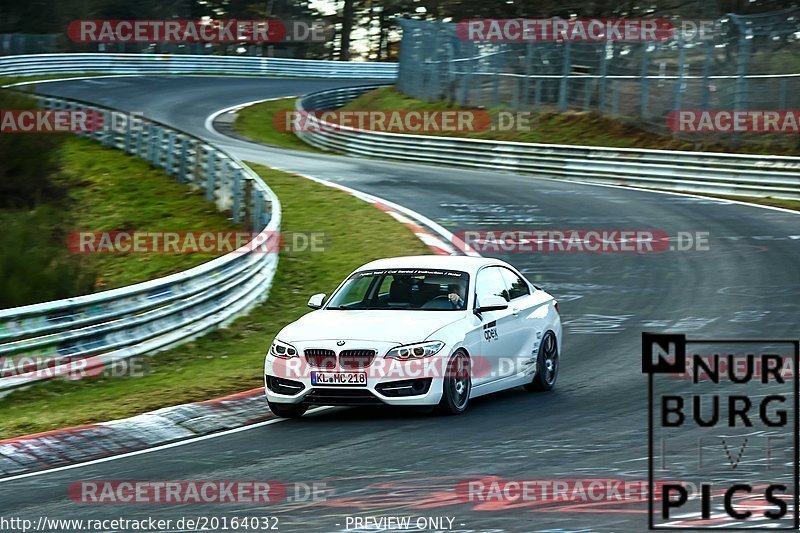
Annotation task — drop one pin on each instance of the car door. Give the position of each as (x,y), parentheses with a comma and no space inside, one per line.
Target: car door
(527,326)
(495,328)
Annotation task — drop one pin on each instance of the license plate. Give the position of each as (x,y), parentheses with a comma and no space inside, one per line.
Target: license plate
(339,378)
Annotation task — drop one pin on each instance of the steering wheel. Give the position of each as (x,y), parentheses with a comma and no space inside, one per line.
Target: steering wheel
(443,297)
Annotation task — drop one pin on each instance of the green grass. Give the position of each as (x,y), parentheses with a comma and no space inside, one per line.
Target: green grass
(97,189)
(229,360)
(774,202)
(109,190)
(256,122)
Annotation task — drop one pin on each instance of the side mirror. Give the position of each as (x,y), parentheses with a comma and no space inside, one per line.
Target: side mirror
(316,301)
(492,303)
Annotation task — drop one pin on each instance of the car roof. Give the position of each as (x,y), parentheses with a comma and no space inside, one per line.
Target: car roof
(453,262)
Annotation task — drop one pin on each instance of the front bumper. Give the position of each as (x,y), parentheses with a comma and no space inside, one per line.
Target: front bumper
(388,382)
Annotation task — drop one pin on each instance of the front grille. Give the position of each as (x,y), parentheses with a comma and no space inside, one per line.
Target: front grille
(321,358)
(356,359)
(341,397)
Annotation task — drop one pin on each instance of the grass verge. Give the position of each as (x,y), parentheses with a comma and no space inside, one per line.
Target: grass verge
(96,189)
(572,127)
(256,122)
(229,360)
(794,205)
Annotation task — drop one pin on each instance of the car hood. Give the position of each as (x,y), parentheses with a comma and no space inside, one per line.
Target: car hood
(403,327)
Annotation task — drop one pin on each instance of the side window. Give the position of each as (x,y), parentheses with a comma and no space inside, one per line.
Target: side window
(490,282)
(516,285)
(386,285)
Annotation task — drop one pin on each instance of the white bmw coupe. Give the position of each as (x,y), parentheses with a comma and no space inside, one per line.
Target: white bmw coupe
(417,331)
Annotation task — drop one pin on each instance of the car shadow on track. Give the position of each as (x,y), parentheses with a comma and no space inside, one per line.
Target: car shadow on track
(498,403)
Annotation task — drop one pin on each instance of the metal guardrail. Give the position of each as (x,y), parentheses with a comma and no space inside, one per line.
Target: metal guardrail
(704,172)
(68,337)
(31,65)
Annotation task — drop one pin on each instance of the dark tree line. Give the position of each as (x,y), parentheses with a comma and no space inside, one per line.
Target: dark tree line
(366,28)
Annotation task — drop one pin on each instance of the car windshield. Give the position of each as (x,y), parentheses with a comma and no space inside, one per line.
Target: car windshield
(418,289)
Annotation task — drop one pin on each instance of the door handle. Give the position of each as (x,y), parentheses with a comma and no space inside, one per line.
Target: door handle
(514,311)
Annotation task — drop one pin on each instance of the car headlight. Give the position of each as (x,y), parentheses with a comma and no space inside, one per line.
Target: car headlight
(281,349)
(416,350)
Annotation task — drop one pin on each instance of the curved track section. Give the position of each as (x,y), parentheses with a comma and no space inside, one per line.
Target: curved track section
(396,463)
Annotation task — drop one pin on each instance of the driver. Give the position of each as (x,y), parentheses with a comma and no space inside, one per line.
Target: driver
(456,295)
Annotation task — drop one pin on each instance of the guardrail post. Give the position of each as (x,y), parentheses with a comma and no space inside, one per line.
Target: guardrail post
(108,133)
(128,144)
(258,210)
(154,151)
(211,174)
(182,162)
(237,195)
(249,198)
(138,139)
(169,164)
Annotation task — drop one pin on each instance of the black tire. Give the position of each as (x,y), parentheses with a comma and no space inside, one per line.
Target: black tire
(287,410)
(457,385)
(546,365)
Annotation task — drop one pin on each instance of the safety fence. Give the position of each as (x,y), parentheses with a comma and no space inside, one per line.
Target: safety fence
(48,64)
(705,172)
(76,337)
(734,62)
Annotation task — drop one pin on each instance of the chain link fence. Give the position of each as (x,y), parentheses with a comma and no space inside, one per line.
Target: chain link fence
(735,63)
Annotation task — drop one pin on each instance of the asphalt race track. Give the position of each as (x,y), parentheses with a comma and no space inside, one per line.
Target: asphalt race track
(388,463)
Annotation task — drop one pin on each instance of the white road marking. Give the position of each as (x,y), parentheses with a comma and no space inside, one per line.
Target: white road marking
(159,448)
(209,122)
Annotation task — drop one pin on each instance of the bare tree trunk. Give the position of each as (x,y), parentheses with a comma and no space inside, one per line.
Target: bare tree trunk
(382,30)
(347,27)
